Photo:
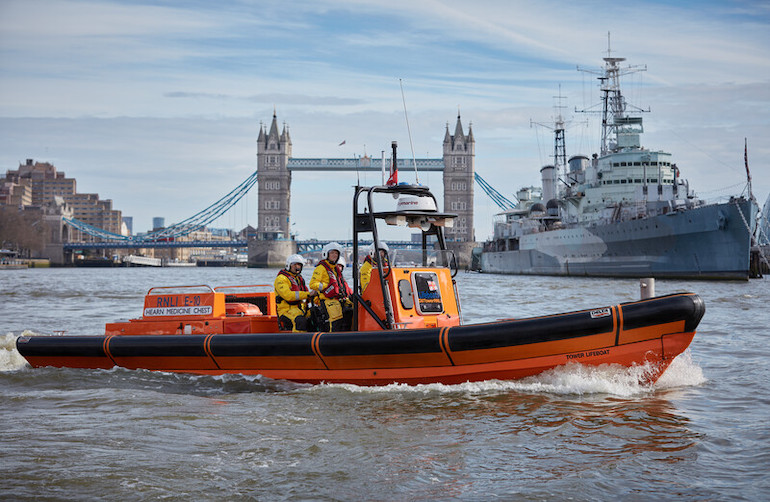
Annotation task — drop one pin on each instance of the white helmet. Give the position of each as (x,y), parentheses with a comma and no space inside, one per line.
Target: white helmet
(383,247)
(295,258)
(332,246)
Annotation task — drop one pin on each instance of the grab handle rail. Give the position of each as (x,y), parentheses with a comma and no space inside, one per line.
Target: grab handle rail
(219,289)
(212,290)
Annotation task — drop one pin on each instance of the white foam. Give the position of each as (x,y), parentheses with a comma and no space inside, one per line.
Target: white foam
(10,359)
(571,379)
(683,372)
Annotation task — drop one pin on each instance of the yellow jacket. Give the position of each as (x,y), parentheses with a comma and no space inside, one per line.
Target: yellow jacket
(288,298)
(366,271)
(320,280)
(365,274)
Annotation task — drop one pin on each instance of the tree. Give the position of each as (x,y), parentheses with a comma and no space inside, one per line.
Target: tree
(23,231)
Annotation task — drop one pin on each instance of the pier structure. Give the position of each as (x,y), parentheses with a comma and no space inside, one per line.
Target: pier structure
(275,165)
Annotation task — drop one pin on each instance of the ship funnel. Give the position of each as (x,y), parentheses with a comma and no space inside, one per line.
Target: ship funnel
(578,163)
(548,175)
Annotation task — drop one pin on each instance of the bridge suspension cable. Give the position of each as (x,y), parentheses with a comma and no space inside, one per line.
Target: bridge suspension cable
(208,215)
(501,200)
(184,227)
(92,230)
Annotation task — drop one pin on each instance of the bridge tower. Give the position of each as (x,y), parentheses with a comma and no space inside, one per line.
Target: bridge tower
(274,182)
(273,243)
(459,168)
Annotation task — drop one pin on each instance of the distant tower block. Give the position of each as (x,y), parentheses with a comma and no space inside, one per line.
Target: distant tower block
(274,182)
(459,169)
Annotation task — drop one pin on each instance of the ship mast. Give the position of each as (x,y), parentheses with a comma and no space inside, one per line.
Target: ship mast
(559,146)
(559,142)
(613,103)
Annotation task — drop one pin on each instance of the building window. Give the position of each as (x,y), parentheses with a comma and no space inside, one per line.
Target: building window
(271,223)
(271,162)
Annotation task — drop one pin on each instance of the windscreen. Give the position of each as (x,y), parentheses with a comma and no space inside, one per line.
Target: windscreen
(434,258)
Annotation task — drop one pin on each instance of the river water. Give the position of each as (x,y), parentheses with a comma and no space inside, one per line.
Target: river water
(700,433)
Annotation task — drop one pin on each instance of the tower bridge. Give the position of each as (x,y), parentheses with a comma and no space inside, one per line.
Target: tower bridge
(275,166)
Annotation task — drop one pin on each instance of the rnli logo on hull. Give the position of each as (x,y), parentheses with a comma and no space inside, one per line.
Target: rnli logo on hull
(605,312)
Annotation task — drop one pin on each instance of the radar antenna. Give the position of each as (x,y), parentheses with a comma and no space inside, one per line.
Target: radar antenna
(613,105)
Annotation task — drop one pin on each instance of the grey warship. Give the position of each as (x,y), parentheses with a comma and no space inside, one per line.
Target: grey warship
(625,212)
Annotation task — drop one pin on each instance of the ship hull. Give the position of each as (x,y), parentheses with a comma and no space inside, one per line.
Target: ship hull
(707,242)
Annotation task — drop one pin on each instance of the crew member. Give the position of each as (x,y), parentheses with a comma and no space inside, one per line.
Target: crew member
(370,263)
(291,295)
(336,309)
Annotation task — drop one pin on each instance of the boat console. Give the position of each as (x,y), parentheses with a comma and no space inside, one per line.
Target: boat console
(404,293)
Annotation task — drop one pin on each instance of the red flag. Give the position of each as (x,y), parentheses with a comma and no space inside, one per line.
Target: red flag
(393,180)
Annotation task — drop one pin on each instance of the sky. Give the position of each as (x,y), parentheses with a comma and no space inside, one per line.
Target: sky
(157,105)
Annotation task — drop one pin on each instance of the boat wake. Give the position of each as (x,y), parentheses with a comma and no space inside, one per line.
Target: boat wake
(10,359)
(683,372)
(571,379)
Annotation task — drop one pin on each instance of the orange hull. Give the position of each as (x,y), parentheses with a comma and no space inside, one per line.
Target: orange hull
(649,331)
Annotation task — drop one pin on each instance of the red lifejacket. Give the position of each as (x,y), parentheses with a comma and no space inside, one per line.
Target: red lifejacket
(338,287)
(297,284)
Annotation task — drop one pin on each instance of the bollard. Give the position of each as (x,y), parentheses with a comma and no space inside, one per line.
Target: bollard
(647,287)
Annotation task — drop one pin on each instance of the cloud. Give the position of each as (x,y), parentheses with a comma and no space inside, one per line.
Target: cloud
(158,106)
(285,99)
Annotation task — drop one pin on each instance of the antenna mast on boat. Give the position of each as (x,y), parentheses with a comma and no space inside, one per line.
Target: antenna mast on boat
(614,117)
(409,130)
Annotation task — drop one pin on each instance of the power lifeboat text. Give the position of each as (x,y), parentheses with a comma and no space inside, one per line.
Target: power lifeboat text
(592,353)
